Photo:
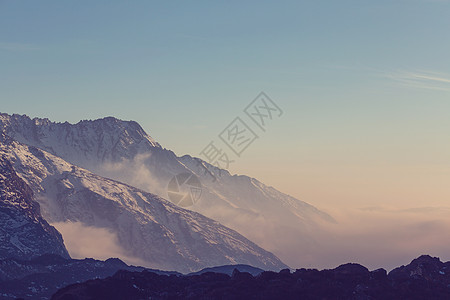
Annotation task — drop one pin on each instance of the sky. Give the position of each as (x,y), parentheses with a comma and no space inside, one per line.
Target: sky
(364,85)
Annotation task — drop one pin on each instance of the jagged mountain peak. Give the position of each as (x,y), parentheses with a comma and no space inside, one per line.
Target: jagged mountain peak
(111,139)
(109,124)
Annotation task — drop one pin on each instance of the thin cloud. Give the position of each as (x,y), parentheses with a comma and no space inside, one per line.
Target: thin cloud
(431,78)
(423,80)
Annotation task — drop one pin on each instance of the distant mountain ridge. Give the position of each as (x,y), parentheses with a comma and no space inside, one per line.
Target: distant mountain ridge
(229,269)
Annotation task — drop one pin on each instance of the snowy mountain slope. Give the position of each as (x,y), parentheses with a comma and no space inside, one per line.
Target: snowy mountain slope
(123,151)
(23,232)
(150,229)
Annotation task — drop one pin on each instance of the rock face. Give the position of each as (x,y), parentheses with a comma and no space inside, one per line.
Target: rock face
(153,230)
(424,278)
(123,151)
(24,233)
(42,276)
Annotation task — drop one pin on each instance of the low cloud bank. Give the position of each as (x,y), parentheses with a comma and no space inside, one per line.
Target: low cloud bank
(383,237)
(86,241)
(373,237)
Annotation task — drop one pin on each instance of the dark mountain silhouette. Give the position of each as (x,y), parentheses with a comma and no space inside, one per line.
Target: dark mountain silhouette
(425,278)
(229,270)
(41,277)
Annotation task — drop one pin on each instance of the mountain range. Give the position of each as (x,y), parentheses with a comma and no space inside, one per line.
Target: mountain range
(124,152)
(149,229)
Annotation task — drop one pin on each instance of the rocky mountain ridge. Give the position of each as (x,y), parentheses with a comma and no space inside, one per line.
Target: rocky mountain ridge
(424,278)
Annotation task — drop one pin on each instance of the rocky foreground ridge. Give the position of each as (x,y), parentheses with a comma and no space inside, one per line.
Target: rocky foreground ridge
(424,278)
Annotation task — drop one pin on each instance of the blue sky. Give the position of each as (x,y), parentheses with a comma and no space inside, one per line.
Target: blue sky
(364,85)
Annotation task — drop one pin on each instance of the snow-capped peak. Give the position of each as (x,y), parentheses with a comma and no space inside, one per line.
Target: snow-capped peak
(110,138)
